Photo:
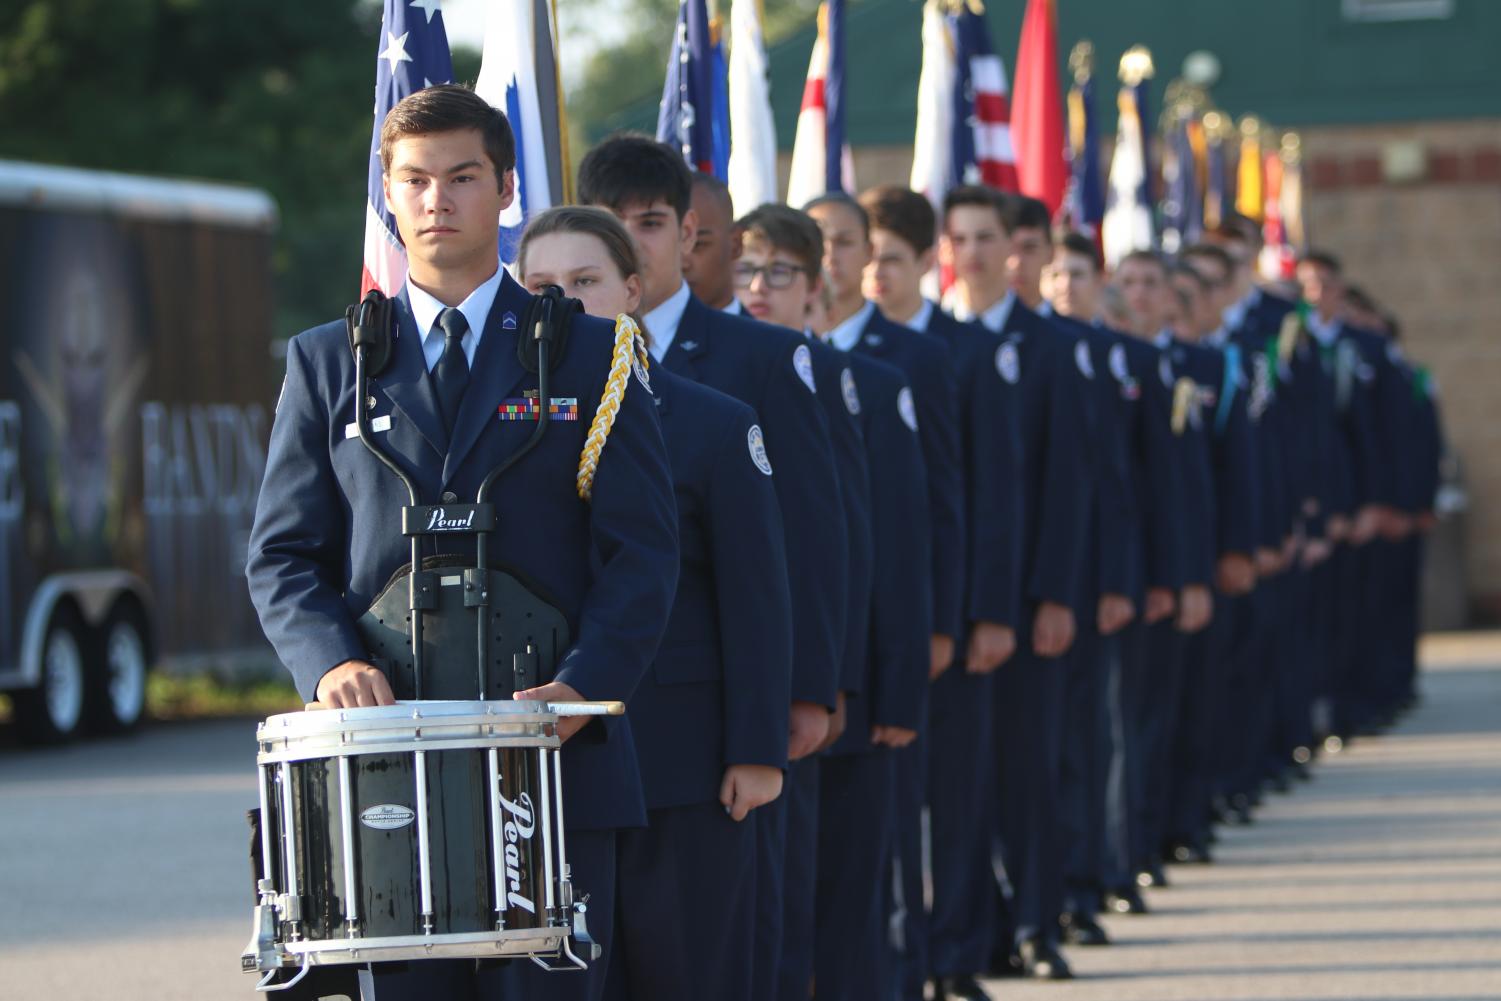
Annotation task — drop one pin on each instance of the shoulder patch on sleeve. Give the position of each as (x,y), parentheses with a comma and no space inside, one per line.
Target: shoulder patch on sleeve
(802,364)
(849,391)
(756,442)
(1082,359)
(906,408)
(1008,363)
(1118,366)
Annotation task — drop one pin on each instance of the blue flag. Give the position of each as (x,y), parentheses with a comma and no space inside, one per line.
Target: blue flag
(687,119)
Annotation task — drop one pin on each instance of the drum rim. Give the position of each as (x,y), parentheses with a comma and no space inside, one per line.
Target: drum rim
(405,713)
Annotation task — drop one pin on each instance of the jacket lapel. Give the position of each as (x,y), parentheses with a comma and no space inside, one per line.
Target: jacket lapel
(406,382)
(691,342)
(495,371)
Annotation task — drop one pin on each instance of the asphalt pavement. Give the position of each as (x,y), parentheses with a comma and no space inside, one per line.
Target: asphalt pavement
(124,872)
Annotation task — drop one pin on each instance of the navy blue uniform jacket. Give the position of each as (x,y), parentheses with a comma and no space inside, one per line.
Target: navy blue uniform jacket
(770,369)
(841,404)
(1056,473)
(990,459)
(1114,564)
(895,692)
(327,533)
(930,372)
(718,693)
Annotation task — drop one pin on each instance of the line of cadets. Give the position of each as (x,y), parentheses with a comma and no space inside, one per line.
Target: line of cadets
(1070,576)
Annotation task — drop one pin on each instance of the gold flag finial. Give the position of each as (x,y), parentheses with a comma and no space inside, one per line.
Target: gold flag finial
(1081,61)
(1217,126)
(1250,127)
(1292,147)
(1136,65)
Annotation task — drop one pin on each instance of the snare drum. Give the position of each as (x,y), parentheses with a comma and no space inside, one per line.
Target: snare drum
(413,831)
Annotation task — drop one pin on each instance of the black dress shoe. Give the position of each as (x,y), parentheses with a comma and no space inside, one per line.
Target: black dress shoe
(1189,853)
(958,989)
(1042,961)
(1151,875)
(1081,929)
(1126,900)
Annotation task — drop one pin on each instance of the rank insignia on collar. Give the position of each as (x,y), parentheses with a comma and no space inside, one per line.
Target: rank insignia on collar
(689,345)
(508,321)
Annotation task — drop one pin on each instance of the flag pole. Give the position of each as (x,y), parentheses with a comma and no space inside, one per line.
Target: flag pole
(566,195)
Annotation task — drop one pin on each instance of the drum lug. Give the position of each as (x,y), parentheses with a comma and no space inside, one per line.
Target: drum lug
(581,934)
(261,952)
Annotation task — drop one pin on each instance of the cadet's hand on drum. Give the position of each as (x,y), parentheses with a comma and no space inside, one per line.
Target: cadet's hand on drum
(352,684)
(990,645)
(746,787)
(940,654)
(1052,629)
(1161,604)
(557,691)
(1115,612)
(807,728)
(892,736)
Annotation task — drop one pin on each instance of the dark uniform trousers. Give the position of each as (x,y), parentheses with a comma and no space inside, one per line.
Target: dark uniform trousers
(1094,670)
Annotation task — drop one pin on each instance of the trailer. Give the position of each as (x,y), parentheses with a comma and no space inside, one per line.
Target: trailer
(136,391)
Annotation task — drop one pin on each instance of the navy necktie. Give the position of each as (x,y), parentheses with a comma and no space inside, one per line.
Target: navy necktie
(451,374)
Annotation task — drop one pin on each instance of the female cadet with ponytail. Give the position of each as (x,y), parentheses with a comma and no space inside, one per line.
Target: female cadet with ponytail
(710,717)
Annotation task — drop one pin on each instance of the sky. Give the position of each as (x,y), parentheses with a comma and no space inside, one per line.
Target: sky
(465,21)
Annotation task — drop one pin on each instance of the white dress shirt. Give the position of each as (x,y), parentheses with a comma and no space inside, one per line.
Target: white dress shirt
(845,335)
(476,309)
(662,322)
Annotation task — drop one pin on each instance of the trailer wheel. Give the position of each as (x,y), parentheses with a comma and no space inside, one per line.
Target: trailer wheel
(51,712)
(117,682)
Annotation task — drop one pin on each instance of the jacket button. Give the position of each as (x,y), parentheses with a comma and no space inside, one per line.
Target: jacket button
(449,497)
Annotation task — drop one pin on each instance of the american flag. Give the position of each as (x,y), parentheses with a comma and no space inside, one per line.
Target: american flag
(413,54)
(687,120)
(821,160)
(983,152)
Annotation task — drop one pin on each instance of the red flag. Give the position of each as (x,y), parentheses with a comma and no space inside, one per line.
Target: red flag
(1037,108)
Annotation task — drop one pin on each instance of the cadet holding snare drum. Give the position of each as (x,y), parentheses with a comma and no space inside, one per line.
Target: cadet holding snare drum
(448,409)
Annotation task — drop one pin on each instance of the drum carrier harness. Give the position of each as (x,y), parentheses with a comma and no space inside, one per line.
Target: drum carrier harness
(416,627)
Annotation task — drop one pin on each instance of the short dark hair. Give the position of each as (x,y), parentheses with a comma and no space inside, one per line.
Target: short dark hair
(841,199)
(903,212)
(1212,252)
(1323,259)
(712,184)
(1023,212)
(449,108)
(1184,271)
(1078,243)
(1243,228)
(786,229)
(630,168)
(1151,257)
(977,196)
(1360,299)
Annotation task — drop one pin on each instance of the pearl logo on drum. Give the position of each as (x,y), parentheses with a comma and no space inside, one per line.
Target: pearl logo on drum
(387,817)
(438,520)
(520,827)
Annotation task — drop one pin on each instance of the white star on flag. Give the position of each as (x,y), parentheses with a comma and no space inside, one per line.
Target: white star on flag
(428,7)
(396,49)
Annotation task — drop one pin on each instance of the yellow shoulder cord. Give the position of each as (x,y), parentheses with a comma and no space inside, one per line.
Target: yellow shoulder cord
(629,349)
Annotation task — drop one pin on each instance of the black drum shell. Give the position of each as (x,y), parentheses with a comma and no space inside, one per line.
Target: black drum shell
(462,855)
